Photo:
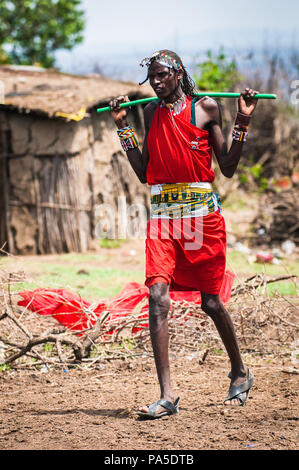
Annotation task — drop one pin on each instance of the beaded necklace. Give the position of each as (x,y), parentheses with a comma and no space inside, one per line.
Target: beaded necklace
(176,107)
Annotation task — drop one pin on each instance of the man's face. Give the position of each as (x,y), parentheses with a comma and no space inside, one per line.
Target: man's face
(163,80)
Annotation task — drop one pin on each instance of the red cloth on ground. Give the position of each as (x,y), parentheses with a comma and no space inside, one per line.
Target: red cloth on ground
(75,313)
(172,160)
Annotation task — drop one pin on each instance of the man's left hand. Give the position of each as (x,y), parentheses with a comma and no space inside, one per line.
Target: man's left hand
(246,102)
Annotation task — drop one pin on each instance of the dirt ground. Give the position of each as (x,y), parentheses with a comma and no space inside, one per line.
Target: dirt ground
(91,410)
(80,409)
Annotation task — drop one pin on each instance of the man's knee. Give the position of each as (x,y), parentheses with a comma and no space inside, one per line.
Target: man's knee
(159,301)
(211,305)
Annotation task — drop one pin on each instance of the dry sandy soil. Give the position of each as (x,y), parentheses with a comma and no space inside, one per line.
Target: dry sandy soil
(90,410)
(77,409)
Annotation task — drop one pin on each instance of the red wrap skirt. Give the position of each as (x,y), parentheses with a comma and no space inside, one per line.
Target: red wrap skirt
(188,254)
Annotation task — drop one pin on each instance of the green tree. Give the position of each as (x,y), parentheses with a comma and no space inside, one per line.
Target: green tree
(217,73)
(32,30)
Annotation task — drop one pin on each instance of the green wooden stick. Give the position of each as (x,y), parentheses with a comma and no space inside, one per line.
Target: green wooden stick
(212,94)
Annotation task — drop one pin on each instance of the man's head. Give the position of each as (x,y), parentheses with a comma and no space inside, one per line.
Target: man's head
(165,81)
(167,73)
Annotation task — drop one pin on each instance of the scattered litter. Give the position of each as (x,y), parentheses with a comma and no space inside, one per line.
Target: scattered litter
(277,253)
(83,271)
(231,240)
(283,183)
(191,356)
(288,247)
(295,177)
(267,257)
(242,248)
(263,257)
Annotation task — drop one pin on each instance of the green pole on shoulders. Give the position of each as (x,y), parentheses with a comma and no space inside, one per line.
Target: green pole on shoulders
(265,96)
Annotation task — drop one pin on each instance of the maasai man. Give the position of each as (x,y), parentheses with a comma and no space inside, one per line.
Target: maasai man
(181,133)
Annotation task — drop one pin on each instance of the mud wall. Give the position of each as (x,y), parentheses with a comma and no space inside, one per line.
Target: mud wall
(55,174)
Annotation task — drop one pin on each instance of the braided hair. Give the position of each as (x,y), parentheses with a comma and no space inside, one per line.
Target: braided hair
(172,60)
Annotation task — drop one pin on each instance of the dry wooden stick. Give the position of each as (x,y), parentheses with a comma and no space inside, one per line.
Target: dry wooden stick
(258,281)
(294,325)
(202,360)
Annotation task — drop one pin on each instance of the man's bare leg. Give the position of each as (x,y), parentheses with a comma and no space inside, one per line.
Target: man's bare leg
(159,304)
(212,306)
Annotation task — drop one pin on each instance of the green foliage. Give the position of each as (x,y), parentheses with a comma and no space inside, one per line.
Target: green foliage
(217,73)
(32,30)
(111,243)
(48,348)
(218,351)
(253,174)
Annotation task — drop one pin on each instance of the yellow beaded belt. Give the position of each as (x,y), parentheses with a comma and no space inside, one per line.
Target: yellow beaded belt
(181,200)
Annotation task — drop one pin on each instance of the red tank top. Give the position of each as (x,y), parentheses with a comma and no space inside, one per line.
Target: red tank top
(180,153)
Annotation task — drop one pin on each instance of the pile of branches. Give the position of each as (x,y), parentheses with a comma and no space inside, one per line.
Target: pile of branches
(264,325)
(278,217)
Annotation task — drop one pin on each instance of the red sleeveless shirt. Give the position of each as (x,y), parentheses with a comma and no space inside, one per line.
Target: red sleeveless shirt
(180,152)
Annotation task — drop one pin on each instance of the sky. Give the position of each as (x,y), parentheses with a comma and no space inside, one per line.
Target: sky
(119,34)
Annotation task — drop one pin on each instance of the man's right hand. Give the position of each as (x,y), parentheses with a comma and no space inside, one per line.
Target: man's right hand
(119,114)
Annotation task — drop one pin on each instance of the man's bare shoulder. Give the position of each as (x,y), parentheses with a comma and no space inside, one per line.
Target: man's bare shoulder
(149,111)
(150,108)
(207,103)
(210,108)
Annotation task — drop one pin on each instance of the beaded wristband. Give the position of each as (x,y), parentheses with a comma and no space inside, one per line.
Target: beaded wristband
(127,138)
(239,134)
(240,130)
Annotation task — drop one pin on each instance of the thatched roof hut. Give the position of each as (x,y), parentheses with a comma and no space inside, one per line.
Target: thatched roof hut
(60,159)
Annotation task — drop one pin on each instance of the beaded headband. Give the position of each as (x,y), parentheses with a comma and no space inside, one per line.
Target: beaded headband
(163,59)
